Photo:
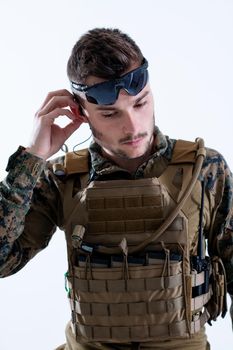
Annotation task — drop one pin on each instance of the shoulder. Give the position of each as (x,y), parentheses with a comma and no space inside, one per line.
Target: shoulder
(214,157)
(70,163)
(217,173)
(215,162)
(187,150)
(214,165)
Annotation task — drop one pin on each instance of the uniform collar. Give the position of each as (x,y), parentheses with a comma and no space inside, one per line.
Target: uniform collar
(102,166)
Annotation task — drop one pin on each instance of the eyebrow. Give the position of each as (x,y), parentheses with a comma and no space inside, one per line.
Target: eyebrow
(112,108)
(141,97)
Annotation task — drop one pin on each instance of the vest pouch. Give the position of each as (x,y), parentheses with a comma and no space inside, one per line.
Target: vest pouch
(217,304)
(128,303)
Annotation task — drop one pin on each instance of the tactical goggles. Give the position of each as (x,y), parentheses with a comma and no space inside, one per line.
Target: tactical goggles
(107,93)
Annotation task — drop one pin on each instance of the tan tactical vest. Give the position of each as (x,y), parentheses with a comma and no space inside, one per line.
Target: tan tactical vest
(131,277)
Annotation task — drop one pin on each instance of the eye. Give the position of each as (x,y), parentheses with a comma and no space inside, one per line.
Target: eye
(140,104)
(109,114)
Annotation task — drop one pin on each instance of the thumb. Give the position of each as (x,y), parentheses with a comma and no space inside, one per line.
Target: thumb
(71,127)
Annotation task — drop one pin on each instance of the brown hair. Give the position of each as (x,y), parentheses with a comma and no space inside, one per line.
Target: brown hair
(103,52)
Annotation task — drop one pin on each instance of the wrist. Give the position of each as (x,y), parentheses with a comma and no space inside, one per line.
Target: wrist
(24,168)
(36,153)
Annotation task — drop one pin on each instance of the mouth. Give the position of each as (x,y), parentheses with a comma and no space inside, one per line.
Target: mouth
(134,142)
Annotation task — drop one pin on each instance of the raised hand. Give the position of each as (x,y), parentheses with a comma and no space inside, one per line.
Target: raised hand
(48,137)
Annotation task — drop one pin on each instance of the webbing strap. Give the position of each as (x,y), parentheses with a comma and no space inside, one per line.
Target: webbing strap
(199,322)
(136,333)
(140,333)
(198,278)
(124,309)
(198,302)
(166,177)
(131,285)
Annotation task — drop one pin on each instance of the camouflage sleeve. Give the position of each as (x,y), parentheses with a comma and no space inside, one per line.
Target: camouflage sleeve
(225,237)
(27,221)
(220,182)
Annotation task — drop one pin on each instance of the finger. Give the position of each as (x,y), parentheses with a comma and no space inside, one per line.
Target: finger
(51,94)
(56,113)
(59,101)
(71,127)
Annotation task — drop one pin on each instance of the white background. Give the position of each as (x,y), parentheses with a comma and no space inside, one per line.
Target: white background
(189,48)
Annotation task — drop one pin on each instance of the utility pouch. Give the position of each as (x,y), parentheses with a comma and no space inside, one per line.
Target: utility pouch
(218,302)
(127,303)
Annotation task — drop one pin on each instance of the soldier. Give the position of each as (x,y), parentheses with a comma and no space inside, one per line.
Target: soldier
(138,208)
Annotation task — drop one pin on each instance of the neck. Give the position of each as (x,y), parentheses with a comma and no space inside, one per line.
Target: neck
(131,165)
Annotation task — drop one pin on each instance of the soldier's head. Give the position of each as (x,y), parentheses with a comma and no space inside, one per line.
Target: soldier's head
(109,78)
(104,53)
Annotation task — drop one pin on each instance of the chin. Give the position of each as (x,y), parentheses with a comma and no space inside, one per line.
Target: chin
(136,155)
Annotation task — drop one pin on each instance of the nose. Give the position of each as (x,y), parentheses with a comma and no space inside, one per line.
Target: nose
(130,123)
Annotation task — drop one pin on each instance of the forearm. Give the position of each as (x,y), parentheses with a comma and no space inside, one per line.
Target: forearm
(225,246)
(30,210)
(15,198)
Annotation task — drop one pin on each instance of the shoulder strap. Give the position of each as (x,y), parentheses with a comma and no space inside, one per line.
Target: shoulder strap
(76,162)
(71,163)
(184,157)
(186,152)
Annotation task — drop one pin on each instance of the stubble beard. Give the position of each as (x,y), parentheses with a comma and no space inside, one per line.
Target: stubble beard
(98,136)
(124,155)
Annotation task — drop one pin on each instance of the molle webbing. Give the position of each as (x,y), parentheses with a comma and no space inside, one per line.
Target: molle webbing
(109,308)
(127,209)
(141,333)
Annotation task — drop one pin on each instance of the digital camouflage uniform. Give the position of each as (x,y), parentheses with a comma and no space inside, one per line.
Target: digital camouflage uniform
(31,210)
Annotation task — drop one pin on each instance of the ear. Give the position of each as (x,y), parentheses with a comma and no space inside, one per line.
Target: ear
(81,109)
(83,115)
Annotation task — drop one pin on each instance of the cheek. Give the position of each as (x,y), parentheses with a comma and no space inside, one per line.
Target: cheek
(104,127)
(96,133)
(150,117)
